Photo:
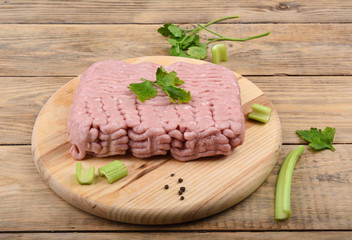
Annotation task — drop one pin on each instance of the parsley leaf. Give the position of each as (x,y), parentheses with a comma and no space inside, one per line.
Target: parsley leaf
(167,79)
(144,90)
(197,52)
(318,139)
(175,31)
(172,30)
(164,30)
(189,40)
(173,42)
(177,93)
(168,82)
(176,51)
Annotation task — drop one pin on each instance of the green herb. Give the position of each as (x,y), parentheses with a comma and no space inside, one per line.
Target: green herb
(260,113)
(188,44)
(283,185)
(168,82)
(84,176)
(318,139)
(218,52)
(113,171)
(144,90)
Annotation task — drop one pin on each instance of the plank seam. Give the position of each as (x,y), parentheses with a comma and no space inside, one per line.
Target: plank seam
(14,144)
(178,231)
(29,76)
(161,23)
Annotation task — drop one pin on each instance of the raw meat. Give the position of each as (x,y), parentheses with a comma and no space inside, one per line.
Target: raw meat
(106,117)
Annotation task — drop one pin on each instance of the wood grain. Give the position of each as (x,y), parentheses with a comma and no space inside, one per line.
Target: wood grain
(213,184)
(301,102)
(197,11)
(320,181)
(21,100)
(67,50)
(305,102)
(319,235)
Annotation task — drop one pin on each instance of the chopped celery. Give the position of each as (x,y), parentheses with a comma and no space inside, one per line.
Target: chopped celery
(113,171)
(283,185)
(84,176)
(219,54)
(260,113)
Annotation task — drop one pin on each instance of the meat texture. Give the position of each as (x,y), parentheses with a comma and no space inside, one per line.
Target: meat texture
(106,117)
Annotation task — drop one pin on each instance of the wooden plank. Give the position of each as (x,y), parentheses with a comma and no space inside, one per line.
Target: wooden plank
(322,101)
(316,235)
(142,11)
(305,102)
(294,49)
(21,100)
(320,199)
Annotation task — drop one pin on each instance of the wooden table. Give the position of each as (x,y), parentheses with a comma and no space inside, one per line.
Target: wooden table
(304,66)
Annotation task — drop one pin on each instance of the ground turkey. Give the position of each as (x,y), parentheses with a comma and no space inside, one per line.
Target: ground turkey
(106,117)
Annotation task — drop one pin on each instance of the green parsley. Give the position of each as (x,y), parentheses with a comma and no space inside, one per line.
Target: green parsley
(168,82)
(318,139)
(188,44)
(144,90)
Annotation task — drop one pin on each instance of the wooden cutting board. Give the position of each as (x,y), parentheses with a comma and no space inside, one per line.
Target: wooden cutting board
(212,184)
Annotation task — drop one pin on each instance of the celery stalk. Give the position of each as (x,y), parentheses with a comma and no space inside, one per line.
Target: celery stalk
(219,54)
(113,171)
(84,176)
(260,113)
(283,185)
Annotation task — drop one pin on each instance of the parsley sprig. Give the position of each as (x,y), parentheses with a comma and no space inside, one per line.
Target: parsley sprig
(319,139)
(188,44)
(168,82)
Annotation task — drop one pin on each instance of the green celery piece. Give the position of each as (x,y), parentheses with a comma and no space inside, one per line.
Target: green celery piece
(260,113)
(84,176)
(219,53)
(113,171)
(283,185)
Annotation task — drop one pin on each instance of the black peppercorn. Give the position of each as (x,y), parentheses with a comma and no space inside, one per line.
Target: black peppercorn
(182,197)
(182,189)
(172,174)
(180,180)
(180,192)
(166,186)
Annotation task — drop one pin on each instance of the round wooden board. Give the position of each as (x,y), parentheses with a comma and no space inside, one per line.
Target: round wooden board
(212,184)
